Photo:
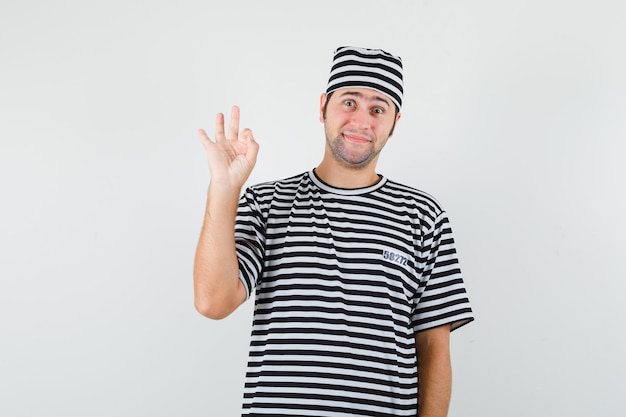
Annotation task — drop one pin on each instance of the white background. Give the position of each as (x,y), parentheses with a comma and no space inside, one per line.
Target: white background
(514,118)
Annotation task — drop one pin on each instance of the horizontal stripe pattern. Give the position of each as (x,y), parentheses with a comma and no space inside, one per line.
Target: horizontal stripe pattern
(342,281)
(367,68)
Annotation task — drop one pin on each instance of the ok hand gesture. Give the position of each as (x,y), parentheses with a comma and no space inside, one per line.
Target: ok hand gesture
(232,156)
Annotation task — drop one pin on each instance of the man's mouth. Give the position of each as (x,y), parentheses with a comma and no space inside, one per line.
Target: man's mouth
(356,138)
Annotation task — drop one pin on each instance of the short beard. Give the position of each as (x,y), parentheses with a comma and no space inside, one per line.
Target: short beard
(338,151)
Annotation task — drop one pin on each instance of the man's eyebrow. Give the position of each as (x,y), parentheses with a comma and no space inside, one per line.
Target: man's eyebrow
(360,95)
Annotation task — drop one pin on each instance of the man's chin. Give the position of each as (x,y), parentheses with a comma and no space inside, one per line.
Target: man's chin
(353,162)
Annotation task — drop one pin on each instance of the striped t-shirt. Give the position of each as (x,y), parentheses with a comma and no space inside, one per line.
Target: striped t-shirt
(343,279)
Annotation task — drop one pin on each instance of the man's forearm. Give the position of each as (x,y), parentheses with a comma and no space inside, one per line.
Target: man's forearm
(217,289)
(434,372)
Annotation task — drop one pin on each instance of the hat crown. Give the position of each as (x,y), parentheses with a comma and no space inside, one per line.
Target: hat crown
(367,68)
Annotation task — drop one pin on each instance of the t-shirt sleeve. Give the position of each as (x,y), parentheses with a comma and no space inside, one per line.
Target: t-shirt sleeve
(249,240)
(442,297)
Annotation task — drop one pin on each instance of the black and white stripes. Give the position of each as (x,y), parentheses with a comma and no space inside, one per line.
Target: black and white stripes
(343,280)
(367,68)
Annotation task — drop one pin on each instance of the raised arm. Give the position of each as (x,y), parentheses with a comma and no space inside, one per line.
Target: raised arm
(232,156)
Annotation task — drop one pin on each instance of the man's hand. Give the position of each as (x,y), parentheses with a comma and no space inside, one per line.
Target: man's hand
(233,156)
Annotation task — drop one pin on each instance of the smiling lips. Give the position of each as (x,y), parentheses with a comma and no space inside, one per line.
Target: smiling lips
(352,137)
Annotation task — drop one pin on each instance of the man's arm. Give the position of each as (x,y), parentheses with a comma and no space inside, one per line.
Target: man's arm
(217,288)
(434,371)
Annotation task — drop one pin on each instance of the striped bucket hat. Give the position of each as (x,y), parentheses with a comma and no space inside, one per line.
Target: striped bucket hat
(367,68)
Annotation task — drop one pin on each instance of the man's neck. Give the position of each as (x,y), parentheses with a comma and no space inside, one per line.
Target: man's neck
(345,177)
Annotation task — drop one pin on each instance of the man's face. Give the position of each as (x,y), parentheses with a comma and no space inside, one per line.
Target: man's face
(357,122)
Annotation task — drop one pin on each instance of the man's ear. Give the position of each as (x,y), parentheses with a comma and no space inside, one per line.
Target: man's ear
(393,128)
(322,105)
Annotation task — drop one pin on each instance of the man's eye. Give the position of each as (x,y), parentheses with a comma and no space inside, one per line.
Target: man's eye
(349,103)
(378,110)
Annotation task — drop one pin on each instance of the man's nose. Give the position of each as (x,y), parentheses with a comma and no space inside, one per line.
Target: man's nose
(360,118)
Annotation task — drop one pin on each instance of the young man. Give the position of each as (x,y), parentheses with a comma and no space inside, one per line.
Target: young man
(355,276)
